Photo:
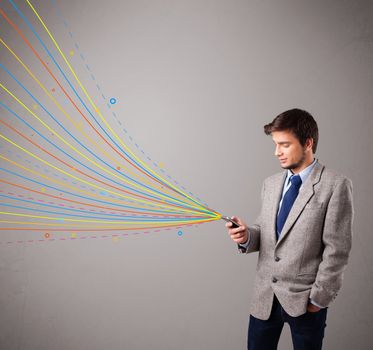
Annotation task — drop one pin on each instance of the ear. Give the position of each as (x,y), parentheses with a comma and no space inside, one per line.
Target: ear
(309,144)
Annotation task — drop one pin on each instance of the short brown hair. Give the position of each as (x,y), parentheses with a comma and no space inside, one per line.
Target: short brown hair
(299,122)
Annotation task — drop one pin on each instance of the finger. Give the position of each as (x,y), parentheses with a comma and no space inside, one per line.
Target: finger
(237,235)
(234,231)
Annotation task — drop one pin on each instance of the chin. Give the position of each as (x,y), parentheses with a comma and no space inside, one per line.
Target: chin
(289,166)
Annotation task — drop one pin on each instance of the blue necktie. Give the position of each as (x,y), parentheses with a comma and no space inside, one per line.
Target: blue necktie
(287,203)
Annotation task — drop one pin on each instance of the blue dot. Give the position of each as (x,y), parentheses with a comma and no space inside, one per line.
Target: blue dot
(113,101)
(180,233)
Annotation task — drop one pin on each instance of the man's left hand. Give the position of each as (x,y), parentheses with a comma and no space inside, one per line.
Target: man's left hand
(312,308)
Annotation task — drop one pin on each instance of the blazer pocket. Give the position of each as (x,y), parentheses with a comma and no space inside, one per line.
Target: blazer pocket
(307,274)
(314,205)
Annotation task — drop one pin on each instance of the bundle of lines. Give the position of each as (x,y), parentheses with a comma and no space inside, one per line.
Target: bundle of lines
(64,166)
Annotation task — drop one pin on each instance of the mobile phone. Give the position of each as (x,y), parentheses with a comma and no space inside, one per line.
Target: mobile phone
(228,219)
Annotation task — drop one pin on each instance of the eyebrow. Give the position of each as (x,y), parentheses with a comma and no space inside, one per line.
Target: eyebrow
(282,142)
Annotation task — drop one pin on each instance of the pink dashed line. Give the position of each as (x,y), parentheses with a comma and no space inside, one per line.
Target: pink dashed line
(98,237)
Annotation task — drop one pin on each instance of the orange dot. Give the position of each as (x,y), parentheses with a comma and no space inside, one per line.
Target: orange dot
(118,167)
(47,235)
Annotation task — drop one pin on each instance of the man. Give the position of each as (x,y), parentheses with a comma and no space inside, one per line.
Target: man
(303,235)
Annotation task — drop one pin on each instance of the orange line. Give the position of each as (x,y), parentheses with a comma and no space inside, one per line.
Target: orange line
(102,229)
(83,173)
(67,95)
(93,205)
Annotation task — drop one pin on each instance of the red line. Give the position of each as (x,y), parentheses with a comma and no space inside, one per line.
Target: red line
(83,173)
(96,230)
(77,108)
(92,205)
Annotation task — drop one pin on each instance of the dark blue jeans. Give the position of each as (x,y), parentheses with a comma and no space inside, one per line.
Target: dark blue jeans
(307,330)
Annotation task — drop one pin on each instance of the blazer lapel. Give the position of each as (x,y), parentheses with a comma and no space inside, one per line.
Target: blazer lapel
(303,198)
(278,185)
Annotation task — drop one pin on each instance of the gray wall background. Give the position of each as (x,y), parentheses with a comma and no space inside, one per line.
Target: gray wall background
(195,83)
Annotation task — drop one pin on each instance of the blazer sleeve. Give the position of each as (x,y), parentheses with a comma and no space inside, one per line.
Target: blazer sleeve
(337,237)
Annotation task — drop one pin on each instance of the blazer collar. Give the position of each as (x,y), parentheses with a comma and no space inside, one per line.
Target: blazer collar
(305,194)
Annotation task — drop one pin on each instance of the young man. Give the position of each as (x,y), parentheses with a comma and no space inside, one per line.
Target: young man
(303,235)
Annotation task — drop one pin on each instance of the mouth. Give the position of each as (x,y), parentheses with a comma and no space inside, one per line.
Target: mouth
(282,160)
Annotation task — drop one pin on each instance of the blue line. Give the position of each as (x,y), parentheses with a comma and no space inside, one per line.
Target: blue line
(87,198)
(125,186)
(94,217)
(77,95)
(36,131)
(85,211)
(113,113)
(67,80)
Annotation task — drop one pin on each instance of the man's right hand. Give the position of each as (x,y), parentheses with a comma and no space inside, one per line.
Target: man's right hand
(239,234)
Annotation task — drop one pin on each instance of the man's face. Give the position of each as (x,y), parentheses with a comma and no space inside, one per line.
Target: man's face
(291,154)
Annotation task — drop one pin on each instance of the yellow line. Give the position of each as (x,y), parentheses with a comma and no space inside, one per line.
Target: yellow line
(68,144)
(76,125)
(63,184)
(126,223)
(101,116)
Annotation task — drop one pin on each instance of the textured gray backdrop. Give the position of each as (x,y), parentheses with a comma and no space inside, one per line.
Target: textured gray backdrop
(195,81)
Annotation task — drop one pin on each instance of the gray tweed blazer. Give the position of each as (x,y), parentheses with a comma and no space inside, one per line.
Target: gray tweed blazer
(310,257)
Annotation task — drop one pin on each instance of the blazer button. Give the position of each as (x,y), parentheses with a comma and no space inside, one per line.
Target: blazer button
(277,258)
(274,279)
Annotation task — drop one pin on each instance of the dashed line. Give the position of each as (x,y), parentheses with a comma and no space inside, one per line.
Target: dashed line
(104,236)
(98,87)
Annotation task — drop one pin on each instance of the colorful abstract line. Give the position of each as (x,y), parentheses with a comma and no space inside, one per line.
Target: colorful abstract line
(64,166)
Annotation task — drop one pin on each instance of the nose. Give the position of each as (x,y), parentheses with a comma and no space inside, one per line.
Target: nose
(278,151)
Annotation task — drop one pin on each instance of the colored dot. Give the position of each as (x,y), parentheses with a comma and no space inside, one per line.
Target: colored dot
(161,165)
(118,167)
(74,235)
(42,189)
(180,233)
(53,89)
(72,53)
(113,101)
(35,106)
(47,235)
(115,239)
